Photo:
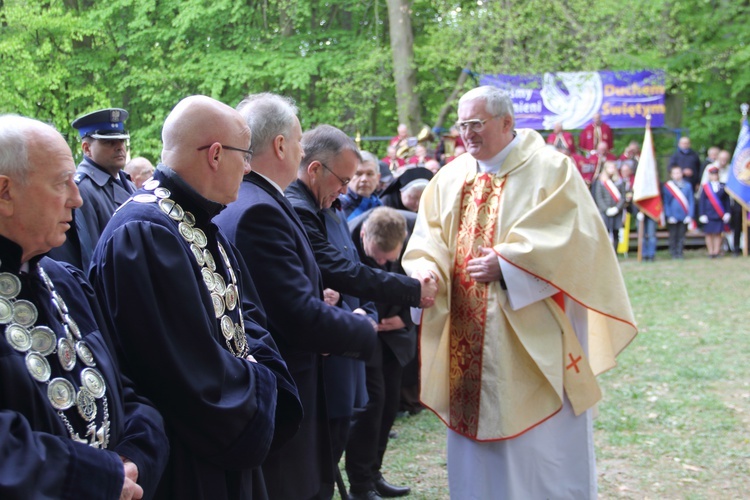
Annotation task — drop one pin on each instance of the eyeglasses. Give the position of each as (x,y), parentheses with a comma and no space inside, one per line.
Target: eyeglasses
(473,125)
(247,156)
(344,182)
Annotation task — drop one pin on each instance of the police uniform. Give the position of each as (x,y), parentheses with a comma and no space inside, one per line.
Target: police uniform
(186,316)
(101,192)
(66,415)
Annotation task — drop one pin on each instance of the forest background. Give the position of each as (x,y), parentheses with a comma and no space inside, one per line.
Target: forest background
(363,65)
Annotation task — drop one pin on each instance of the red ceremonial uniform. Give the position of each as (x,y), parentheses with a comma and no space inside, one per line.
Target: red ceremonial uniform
(565,137)
(587,141)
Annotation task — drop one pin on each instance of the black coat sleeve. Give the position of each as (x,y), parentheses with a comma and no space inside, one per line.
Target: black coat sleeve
(298,316)
(354,278)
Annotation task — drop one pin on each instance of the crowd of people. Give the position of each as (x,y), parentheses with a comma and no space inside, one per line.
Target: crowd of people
(235,321)
(693,196)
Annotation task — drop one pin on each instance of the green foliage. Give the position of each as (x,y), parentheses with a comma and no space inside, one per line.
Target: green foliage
(62,58)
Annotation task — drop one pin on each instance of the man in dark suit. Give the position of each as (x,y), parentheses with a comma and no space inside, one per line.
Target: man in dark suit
(688,160)
(331,159)
(267,231)
(379,236)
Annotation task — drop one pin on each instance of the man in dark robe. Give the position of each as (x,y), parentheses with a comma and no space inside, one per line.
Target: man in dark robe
(70,426)
(189,327)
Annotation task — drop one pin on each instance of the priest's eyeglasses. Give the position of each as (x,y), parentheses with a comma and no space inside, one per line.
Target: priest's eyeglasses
(473,125)
(247,156)
(344,182)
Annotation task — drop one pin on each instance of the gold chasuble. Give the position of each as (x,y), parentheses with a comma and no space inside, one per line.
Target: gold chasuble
(489,372)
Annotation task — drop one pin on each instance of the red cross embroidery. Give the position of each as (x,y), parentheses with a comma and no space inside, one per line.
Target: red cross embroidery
(573,363)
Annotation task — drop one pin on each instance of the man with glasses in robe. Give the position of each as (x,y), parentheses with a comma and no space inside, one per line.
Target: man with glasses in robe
(531,305)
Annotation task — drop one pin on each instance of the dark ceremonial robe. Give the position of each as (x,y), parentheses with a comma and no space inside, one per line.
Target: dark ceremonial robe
(269,235)
(39,458)
(102,194)
(222,412)
(343,274)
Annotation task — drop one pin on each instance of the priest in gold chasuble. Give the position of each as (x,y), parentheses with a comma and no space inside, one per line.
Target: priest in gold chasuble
(531,307)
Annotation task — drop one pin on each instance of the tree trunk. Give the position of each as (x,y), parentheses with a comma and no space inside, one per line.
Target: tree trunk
(404,73)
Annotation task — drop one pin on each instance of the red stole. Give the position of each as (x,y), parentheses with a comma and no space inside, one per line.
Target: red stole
(480,201)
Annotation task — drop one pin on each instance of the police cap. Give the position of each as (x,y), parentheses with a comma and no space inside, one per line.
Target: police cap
(103,124)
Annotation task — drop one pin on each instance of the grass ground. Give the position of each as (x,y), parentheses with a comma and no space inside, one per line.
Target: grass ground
(675,418)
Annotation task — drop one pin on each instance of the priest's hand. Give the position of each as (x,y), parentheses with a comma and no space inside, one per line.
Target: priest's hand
(486,268)
(726,218)
(130,489)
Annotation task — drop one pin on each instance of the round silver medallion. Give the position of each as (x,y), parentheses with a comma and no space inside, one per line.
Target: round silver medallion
(219,285)
(10,285)
(227,327)
(151,184)
(186,231)
(43,340)
(145,198)
(24,313)
(162,192)
(208,279)
(6,311)
(73,327)
(209,259)
(172,209)
(66,354)
(189,218)
(230,296)
(218,304)
(93,381)
(38,366)
(197,253)
(61,393)
(199,237)
(84,353)
(18,337)
(86,405)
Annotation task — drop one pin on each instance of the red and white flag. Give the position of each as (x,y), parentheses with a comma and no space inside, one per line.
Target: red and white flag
(646,191)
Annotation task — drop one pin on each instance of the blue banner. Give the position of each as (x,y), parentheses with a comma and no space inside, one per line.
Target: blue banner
(738,182)
(624,98)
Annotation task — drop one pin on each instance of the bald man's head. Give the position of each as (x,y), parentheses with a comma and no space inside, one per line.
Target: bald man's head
(205,142)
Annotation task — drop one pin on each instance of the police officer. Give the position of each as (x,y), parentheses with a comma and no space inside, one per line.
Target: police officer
(101,181)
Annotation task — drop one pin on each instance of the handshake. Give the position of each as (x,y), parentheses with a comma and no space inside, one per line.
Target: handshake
(429,282)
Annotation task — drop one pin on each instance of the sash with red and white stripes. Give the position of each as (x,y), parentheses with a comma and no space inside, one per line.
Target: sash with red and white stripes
(612,190)
(714,200)
(678,195)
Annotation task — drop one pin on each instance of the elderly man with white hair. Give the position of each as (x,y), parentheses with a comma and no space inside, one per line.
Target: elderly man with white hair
(70,425)
(531,305)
